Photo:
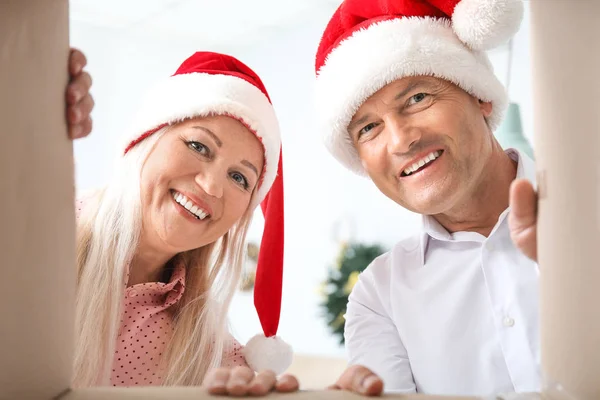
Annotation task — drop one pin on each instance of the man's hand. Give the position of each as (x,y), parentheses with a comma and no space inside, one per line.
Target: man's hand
(78,98)
(242,381)
(360,380)
(522,219)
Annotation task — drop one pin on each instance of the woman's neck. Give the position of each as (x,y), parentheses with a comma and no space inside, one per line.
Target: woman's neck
(147,265)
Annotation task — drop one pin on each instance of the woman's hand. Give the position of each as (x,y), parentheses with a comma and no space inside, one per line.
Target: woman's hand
(78,98)
(242,381)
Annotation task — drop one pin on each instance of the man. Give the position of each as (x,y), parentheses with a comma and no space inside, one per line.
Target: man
(407,96)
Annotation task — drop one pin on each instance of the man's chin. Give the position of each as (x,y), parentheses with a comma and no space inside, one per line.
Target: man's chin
(437,198)
(430,205)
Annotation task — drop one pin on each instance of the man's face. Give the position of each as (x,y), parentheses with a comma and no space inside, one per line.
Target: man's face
(424,142)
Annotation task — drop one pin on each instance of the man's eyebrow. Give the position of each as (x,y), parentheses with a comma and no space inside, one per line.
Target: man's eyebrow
(413,85)
(409,87)
(359,121)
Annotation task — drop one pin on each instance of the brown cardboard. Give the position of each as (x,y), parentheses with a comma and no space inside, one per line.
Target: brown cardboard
(36,210)
(566,61)
(190,393)
(194,393)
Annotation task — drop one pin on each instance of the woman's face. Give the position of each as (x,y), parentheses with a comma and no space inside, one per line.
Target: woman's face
(197,182)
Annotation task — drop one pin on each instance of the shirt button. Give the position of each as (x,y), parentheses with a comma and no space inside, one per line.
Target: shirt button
(132,293)
(508,322)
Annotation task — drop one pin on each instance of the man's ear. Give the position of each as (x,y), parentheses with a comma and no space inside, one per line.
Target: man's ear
(486,108)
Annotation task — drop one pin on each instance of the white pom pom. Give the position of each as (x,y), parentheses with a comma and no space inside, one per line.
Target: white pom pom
(270,353)
(485,24)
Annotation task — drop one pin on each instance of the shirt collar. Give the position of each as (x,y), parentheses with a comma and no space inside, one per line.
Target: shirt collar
(433,229)
(172,290)
(176,285)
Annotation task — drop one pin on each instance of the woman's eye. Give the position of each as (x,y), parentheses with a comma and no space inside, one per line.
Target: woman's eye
(240,179)
(366,129)
(417,98)
(199,147)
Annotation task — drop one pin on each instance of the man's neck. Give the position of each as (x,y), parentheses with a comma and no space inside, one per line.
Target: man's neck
(480,209)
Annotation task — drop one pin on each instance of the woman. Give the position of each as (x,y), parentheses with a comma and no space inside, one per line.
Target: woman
(160,248)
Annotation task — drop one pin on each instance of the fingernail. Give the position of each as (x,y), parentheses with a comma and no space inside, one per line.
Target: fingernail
(369,381)
(238,382)
(218,382)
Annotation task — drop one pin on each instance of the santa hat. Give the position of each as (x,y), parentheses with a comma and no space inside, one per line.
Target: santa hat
(215,84)
(369,44)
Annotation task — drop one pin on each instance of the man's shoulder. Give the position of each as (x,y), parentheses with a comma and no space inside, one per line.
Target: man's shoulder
(376,282)
(404,254)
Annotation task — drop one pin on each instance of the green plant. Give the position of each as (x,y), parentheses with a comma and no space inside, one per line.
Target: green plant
(352,260)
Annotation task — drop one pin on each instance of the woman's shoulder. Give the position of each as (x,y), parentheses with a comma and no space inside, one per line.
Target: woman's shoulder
(233,353)
(83,199)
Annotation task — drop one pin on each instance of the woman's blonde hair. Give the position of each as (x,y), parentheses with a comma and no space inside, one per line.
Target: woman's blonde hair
(108,230)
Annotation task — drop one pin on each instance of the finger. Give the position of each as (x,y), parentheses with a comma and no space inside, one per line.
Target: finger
(79,88)
(360,380)
(81,130)
(372,386)
(262,383)
(523,203)
(79,112)
(522,219)
(287,384)
(77,61)
(216,381)
(239,381)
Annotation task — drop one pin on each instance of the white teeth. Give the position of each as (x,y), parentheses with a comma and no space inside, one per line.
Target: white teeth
(188,205)
(425,160)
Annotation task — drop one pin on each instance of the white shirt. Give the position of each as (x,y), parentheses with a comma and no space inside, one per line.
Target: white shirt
(452,314)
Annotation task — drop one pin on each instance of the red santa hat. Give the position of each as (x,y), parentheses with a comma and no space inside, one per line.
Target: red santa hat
(216,84)
(369,44)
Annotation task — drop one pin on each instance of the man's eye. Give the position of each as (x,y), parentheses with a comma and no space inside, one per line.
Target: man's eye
(366,129)
(417,98)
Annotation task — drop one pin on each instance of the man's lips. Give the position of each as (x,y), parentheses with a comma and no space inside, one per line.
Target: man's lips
(420,162)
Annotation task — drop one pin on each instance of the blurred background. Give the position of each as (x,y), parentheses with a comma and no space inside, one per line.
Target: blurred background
(334,219)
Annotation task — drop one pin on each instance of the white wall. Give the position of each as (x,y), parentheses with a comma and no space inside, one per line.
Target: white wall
(318,191)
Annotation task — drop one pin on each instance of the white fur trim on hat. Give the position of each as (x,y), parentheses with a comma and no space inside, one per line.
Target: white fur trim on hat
(185,96)
(485,24)
(389,50)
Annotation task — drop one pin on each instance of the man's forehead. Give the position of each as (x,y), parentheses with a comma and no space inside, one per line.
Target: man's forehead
(413,82)
(401,87)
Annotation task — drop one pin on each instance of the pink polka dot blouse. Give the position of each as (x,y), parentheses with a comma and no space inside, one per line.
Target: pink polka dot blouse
(146,328)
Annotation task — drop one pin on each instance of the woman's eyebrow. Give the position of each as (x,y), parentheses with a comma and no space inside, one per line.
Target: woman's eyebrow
(210,133)
(251,166)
